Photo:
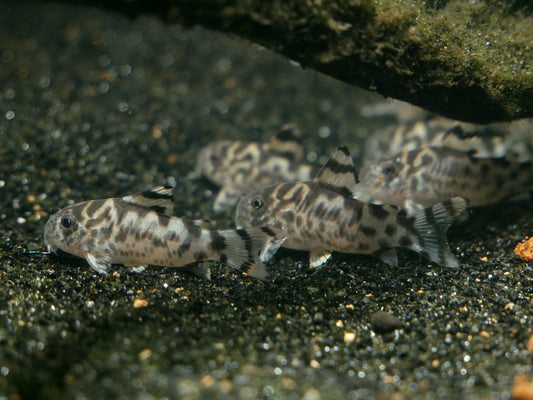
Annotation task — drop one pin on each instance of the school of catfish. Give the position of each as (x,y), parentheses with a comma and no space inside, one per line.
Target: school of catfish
(417,178)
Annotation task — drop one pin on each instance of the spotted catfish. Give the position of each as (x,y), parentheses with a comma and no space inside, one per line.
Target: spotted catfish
(481,141)
(239,167)
(138,230)
(322,216)
(420,178)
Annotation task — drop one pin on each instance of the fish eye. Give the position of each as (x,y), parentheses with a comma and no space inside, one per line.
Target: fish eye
(257,203)
(388,169)
(67,221)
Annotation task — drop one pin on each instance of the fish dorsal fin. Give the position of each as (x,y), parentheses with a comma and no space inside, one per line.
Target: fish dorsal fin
(287,143)
(338,173)
(159,199)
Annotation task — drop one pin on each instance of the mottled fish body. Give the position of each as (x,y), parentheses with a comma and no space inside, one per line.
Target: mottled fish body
(420,178)
(480,141)
(138,230)
(322,216)
(239,167)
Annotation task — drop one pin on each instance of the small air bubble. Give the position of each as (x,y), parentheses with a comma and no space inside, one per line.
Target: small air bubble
(311,156)
(103,87)
(123,106)
(324,132)
(124,70)
(10,115)
(9,93)
(222,107)
(104,60)
(44,82)
(167,60)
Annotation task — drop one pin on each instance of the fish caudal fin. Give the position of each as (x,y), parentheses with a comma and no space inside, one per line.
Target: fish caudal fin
(430,227)
(243,247)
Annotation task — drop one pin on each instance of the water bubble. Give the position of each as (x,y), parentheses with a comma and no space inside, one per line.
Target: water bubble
(104,60)
(44,82)
(324,132)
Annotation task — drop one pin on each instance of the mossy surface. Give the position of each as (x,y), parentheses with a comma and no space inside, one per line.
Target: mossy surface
(466,60)
(95,105)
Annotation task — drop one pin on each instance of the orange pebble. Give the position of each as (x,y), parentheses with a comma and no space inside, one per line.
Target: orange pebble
(525,250)
(522,387)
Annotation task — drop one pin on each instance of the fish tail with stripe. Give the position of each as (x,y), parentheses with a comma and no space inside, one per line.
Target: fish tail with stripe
(430,226)
(242,250)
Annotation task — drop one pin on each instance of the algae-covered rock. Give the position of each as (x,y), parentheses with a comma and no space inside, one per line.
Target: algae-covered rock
(465,60)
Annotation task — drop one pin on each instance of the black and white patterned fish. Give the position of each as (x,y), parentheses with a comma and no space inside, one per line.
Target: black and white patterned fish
(138,230)
(322,216)
(239,167)
(427,130)
(419,178)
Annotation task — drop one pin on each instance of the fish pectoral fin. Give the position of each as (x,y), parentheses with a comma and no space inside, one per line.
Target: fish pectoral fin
(318,258)
(136,268)
(270,247)
(100,262)
(201,270)
(388,256)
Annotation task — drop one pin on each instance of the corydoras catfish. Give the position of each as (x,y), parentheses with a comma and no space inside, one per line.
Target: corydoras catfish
(422,177)
(322,216)
(139,230)
(239,166)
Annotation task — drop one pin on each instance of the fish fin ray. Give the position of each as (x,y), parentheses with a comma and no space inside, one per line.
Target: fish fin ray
(99,262)
(243,250)
(201,270)
(388,256)
(270,247)
(159,199)
(318,258)
(136,268)
(430,228)
(338,173)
